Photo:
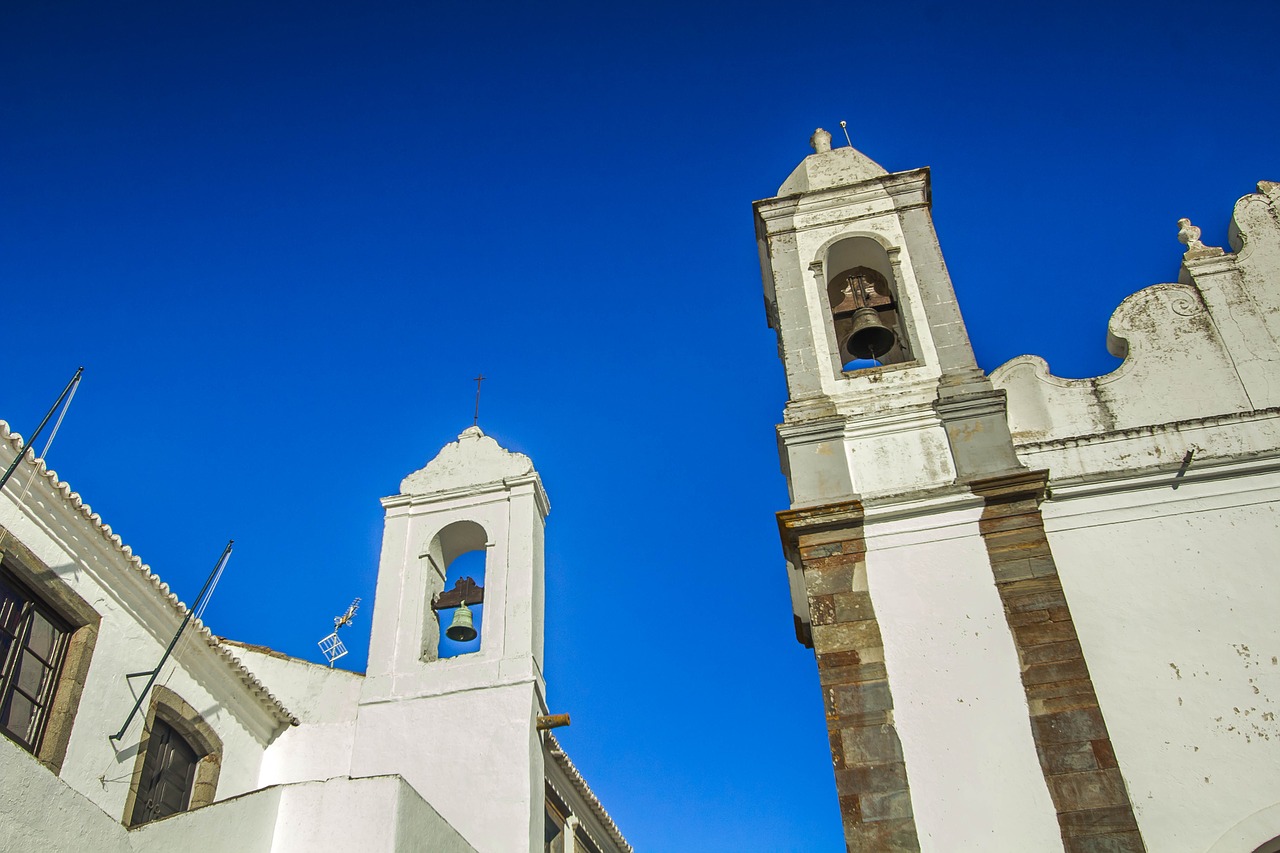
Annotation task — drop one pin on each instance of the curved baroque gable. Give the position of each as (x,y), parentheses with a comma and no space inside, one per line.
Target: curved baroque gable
(474,459)
(1203,347)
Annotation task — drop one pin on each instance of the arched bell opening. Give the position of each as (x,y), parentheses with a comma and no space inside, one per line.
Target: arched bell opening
(458,555)
(865,313)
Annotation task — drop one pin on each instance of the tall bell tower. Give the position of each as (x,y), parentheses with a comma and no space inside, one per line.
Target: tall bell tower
(914,538)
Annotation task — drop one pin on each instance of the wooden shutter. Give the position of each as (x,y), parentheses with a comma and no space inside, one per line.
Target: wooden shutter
(168,773)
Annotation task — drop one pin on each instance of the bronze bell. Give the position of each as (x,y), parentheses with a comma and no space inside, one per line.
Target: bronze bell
(461,629)
(870,337)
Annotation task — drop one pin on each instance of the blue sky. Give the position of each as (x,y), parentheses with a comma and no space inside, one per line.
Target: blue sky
(283,237)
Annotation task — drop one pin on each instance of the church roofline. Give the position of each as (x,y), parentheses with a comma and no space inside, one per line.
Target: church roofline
(556,751)
(73,501)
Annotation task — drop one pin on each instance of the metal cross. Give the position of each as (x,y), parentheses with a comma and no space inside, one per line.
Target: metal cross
(476,420)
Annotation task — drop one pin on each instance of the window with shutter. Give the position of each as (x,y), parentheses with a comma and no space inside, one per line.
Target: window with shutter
(168,775)
(33,642)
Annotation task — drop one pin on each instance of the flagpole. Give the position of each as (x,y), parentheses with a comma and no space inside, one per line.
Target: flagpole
(217,569)
(31,442)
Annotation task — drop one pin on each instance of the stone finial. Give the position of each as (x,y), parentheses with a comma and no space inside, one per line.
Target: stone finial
(1270,189)
(1189,235)
(820,141)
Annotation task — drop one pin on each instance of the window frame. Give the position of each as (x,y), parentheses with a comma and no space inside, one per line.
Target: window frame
(172,710)
(53,597)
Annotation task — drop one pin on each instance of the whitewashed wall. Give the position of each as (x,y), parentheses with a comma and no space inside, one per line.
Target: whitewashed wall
(1174,593)
(959,706)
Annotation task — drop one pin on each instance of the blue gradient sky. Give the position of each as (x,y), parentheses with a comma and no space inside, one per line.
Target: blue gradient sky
(283,237)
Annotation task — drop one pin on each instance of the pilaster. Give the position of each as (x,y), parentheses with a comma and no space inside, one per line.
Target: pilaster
(825,544)
(1072,742)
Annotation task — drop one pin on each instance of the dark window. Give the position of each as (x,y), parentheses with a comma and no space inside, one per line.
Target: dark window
(168,775)
(33,642)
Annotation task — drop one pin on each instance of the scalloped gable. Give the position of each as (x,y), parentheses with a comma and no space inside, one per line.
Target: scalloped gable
(1203,347)
(474,459)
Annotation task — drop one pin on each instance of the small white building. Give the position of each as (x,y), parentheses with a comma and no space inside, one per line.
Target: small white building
(1043,609)
(239,749)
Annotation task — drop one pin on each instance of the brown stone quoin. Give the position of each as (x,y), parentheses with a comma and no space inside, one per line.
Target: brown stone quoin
(1079,765)
(826,543)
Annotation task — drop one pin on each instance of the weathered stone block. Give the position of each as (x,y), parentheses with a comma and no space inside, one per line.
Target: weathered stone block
(853,606)
(861,698)
(813,552)
(1044,632)
(1055,690)
(822,610)
(1067,726)
(1003,523)
(1068,757)
(831,579)
(870,745)
(1030,540)
(1027,617)
(1007,571)
(847,534)
(1117,819)
(1038,594)
(885,836)
(1043,566)
(849,674)
(831,660)
(1064,703)
(844,636)
(1105,754)
(837,749)
(1088,790)
(1126,842)
(887,805)
(861,779)
(1056,672)
(1051,652)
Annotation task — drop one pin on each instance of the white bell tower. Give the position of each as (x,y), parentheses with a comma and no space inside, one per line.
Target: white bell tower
(915,548)
(841,234)
(439,720)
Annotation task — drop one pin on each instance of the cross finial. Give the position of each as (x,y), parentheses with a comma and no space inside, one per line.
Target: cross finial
(476,420)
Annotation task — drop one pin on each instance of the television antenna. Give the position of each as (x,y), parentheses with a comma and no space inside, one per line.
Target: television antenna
(332,646)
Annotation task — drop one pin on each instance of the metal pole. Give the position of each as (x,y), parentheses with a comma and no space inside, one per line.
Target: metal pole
(31,442)
(190,610)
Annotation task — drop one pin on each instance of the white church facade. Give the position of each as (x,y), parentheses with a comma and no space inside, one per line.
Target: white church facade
(240,749)
(1043,610)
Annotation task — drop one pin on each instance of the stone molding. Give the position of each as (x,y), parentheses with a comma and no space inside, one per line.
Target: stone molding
(187,721)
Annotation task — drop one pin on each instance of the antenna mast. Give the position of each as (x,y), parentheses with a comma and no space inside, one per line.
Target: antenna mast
(331,646)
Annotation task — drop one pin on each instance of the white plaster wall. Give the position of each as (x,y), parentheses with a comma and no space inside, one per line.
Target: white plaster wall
(959,705)
(325,701)
(244,824)
(1174,598)
(38,811)
(135,628)
(473,754)
(379,815)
